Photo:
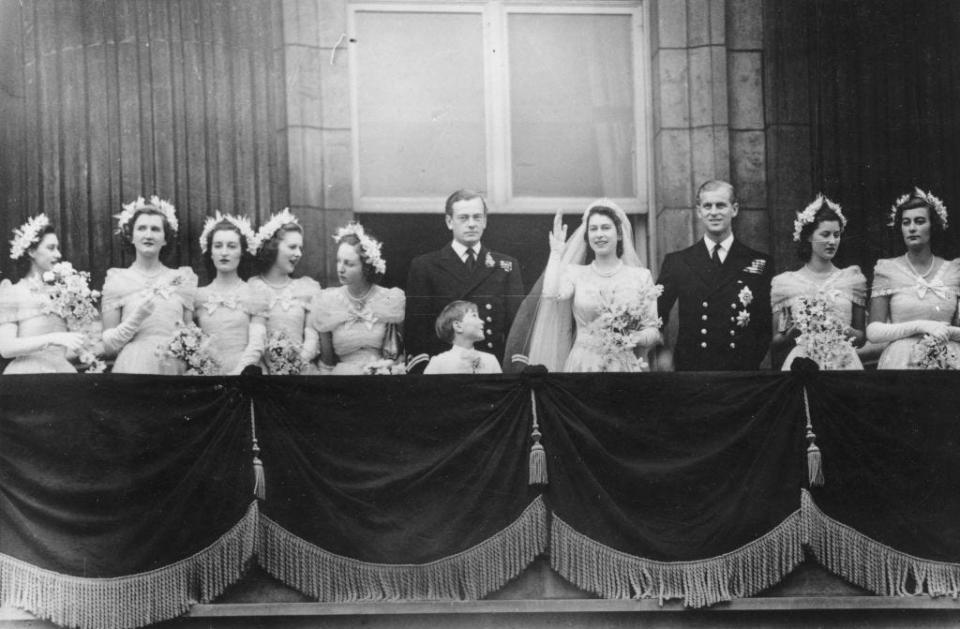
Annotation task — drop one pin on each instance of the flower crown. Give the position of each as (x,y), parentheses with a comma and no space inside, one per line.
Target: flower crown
(268,229)
(370,247)
(27,234)
(931,200)
(165,207)
(242,223)
(810,212)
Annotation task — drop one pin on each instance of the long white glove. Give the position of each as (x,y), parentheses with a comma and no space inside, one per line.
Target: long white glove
(253,352)
(311,345)
(115,338)
(878,332)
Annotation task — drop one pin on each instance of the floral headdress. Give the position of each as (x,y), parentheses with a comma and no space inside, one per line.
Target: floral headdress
(810,212)
(165,207)
(27,234)
(931,200)
(370,247)
(268,229)
(242,223)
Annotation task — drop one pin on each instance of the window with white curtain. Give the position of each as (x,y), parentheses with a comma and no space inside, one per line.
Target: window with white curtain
(539,105)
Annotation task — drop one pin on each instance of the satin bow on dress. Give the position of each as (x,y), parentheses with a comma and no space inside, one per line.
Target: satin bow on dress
(364,316)
(214,301)
(935,286)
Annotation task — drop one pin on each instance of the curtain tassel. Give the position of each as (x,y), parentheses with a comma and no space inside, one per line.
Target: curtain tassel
(259,477)
(538,456)
(814,457)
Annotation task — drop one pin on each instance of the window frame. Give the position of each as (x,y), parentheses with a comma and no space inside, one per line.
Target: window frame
(495,16)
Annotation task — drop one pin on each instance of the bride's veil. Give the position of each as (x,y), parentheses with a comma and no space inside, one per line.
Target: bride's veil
(543,330)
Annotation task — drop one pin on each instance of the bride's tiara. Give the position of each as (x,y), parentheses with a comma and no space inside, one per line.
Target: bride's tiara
(27,234)
(242,223)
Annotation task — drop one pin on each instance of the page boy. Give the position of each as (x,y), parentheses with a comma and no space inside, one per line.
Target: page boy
(461,326)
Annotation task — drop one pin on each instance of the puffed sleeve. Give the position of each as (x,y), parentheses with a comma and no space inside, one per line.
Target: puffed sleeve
(326,311)
(390,305)
(305,290)
(780,293)
(187,289)
(8,303)
(883,278)
(255,300)
(115,290)
(855,285)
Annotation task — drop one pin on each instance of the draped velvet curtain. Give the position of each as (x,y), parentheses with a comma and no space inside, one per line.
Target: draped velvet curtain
(862,104)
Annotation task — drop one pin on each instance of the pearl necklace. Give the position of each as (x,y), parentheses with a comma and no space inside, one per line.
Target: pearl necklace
(610,273)
(924,275)
(274,286)
(362,298)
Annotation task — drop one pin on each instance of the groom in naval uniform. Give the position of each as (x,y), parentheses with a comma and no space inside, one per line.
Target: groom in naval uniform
(467,270)
(723,288)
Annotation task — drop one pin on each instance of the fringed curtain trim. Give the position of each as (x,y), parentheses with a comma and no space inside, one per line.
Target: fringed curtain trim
(135,600)
(870,564)
(468,575)
(597,568)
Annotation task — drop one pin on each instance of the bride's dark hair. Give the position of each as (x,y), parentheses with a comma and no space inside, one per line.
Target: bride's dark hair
(602,210)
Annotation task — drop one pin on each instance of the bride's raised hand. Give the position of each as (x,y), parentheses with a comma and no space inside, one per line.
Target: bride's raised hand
(558,235)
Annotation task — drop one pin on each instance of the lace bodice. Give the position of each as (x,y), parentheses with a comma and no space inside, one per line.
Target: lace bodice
(914,298)
(843,289)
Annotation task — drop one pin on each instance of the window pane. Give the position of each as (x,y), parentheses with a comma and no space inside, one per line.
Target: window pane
(571,104)
(420,103)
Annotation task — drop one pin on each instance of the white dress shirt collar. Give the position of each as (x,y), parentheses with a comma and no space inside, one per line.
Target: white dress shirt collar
(461,250)
(724,246)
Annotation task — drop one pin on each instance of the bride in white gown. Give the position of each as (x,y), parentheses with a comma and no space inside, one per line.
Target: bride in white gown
(593,280)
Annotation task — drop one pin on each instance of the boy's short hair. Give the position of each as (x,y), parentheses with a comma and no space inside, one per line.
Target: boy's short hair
(454,312)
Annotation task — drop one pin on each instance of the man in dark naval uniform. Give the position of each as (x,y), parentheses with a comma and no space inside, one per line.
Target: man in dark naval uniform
(467,270)
(724,291)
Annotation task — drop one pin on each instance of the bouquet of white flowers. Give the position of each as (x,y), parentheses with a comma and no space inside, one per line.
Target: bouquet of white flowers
(620,321)
(822,335)
(931,353)
(191,345)
(283,355)
(70,296)
(384,367)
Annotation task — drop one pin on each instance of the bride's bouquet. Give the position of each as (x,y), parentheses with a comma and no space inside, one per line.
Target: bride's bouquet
(822,336)
(191,345)
(931,353)
(620,321)
(283,355)
(70,296)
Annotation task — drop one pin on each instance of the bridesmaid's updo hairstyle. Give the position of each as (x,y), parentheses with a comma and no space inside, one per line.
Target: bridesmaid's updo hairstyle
(245,270)
(936,214)
(602,210)
(267,253)
(824,214)
(169,234)
(369,272)
(23,262)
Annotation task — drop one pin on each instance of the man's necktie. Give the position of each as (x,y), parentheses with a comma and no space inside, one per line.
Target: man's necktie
(471,260)
(716,255)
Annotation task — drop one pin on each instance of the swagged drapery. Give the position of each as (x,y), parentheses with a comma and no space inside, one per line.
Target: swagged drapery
(125,499)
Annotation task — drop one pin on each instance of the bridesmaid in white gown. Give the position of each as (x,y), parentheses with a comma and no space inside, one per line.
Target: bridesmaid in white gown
(38,342)
(353,319)
(143,302)
(611,278)
(226,309)
(818,230)
(278,248)
(915,294)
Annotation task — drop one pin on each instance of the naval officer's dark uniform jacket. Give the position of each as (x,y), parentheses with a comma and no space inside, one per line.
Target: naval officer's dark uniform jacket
(722,327)
(437,278)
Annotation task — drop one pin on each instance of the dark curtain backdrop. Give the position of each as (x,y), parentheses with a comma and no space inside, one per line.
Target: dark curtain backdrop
(103,100)
(862,104)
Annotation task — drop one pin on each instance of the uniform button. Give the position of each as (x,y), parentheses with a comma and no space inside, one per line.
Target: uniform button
(489,331)
(489,307)
(703,330)
(489,319)
(733,345)
(733,332)
(704,304)
(732,319)
(703,317)
(703,345)
(734,306)
(489,344)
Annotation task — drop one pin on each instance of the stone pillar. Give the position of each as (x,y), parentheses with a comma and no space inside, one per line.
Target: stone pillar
(318,126)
